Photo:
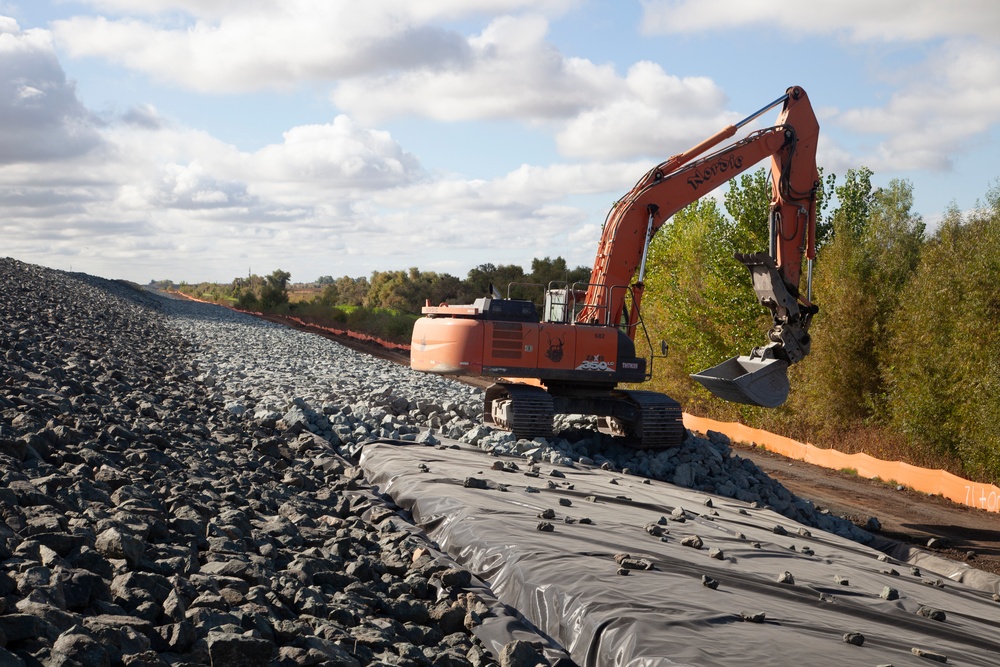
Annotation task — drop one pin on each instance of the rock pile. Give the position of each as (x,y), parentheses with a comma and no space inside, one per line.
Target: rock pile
(301,381)
(142,523)
(177,488)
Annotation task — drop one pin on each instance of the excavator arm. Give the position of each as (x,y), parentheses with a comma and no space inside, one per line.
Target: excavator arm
(761,377)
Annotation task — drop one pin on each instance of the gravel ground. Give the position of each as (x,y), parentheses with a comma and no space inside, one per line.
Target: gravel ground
(293,377)
(178,488)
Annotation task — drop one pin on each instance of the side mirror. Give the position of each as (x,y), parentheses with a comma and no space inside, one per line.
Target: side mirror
(663,348)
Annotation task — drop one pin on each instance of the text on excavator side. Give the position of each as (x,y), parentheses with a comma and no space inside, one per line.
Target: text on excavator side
(720,166)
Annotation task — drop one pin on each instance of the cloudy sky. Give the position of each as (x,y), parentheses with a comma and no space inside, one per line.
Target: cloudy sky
(201,139)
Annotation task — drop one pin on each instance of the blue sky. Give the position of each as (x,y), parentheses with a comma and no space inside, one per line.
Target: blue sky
(201,139)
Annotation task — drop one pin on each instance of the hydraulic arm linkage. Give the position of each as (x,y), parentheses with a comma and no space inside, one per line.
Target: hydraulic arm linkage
(759,378)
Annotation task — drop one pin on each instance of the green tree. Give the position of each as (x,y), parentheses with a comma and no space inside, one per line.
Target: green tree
(862,272)
(247,301)
(477,282)
(330,296)
(440,288)
(386,290)
(408,291)
(274,292)
(700,300)
(748,202)
(943,366)
(700,297)
(547,270)
(351,291)
(856,198)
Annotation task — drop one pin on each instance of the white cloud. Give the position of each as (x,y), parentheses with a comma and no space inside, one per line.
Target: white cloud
(387,61)
(336,156)
(230,45)
(935,110)
(937,116)
(198,8)
(862,20)
(327,198)
(41,118)
(342,193)
(137,191)
(144,115)
(557,181)
(510,71)
(426,10)
(514,72)
(656,115)
(254,49)
(542,210)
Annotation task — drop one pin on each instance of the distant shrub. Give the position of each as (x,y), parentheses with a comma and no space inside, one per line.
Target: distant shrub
(247,301)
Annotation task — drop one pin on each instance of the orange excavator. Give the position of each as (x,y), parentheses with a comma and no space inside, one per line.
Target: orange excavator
(571,357)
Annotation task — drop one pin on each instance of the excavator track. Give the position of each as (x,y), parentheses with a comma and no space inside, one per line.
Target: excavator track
(638,419)
(658,422)
(525,410)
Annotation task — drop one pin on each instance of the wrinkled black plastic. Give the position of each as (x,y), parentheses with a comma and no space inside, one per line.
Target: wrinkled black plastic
(566,580)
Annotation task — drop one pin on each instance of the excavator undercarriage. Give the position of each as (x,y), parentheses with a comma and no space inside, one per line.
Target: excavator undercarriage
(638,419)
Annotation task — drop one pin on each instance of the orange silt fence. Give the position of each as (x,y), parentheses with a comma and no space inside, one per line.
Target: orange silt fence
(934,482)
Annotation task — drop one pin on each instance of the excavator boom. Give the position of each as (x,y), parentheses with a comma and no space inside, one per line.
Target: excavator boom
(760,377)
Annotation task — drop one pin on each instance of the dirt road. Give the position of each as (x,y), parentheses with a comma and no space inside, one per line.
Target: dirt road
(905,515)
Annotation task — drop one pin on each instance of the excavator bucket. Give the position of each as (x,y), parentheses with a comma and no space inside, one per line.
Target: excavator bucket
(754,381)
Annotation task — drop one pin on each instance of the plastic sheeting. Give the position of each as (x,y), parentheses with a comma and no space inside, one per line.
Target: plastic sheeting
(565,581)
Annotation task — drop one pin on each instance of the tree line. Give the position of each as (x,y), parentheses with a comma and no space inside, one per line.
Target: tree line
(905,359)
(388,302)
(402,291)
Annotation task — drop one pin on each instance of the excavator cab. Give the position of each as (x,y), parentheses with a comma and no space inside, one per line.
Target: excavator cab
(558,306)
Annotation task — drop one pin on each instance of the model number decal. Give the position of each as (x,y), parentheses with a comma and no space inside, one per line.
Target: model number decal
(596,362)
(630,365)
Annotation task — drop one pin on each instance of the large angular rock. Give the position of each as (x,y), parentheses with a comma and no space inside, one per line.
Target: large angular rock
(113,543)
(77,648)
(234,650)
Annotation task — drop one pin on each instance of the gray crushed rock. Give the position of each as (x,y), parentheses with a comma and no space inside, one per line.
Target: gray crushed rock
(151,514)
(929,655)
(347,398)
(177,483)
(889,593)
(854,638)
